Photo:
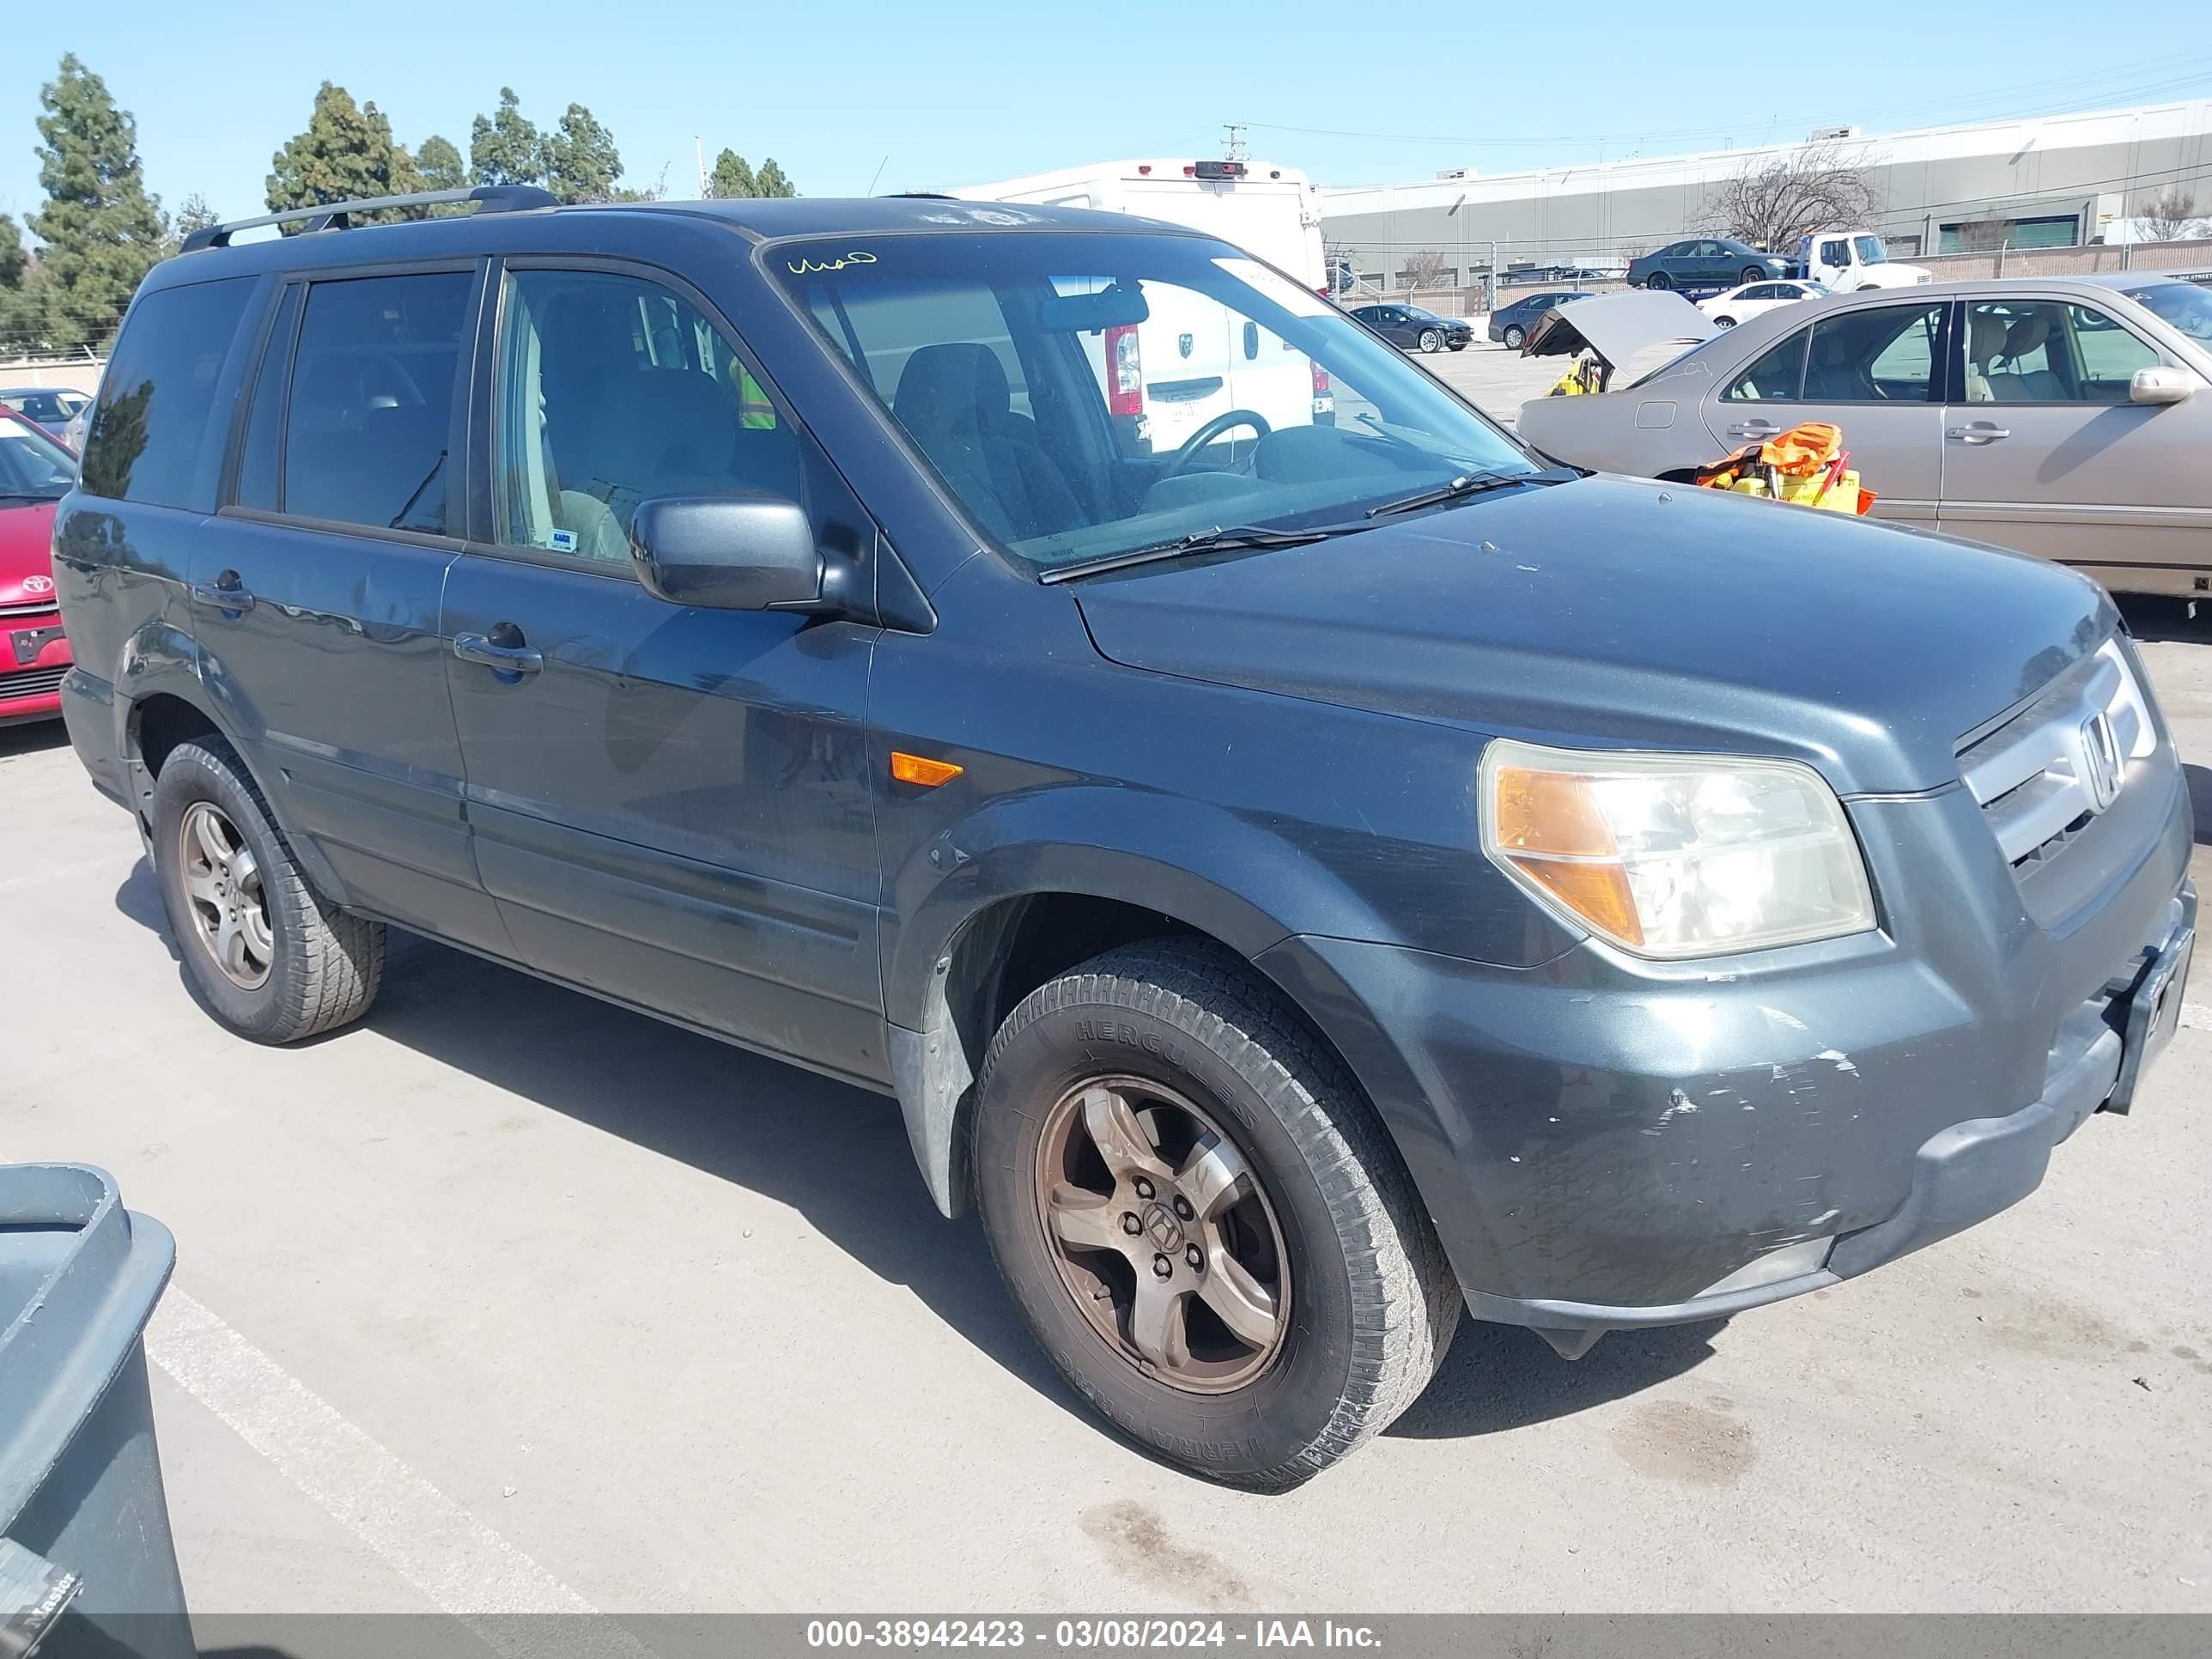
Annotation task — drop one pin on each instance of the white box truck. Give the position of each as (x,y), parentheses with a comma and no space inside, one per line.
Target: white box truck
(1191,359)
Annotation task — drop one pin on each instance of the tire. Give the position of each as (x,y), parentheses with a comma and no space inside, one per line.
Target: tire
(1432,340)
(1660,280)
(1752,274)
(1464,343)
(307,966)
(1515,337)
(1363,1304)
(1723,322)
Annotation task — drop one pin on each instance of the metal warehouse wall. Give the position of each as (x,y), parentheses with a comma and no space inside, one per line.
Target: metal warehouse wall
(1594,213)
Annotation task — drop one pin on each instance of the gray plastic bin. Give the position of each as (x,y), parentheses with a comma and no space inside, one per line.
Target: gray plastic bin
(92,1570)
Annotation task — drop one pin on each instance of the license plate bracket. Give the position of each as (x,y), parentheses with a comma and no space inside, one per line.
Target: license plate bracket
(2154,1015)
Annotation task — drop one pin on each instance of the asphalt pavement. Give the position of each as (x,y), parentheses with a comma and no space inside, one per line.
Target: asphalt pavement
(509,1299)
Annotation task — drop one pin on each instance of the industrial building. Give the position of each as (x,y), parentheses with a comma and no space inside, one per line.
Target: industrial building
(2037,182)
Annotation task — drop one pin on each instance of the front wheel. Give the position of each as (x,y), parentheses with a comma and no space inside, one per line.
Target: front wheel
(1207,1229)
(1516,337)
(1751,274)
(1723,322)
(1433,339)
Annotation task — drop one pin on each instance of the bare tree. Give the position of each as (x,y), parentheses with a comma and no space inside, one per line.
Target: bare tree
(2171,217)
(1771,203)
(1427,269)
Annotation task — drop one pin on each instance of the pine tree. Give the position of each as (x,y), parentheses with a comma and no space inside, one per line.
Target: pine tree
(581,162)
(770,181)
(346,152)
(101,232)
(505,148)
(439,165)
(193,213)
(732,178)
(12,259)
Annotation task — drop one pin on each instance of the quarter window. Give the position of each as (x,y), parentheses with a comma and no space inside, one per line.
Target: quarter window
(155,437)
(612,391)
(371,399)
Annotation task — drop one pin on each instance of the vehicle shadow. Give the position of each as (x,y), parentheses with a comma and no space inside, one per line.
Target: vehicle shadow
(839,1156)
(2159,618)
(1499,1376)
(32,737)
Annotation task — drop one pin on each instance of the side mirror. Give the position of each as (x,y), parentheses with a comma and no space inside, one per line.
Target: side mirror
(729,552)
(2160,385)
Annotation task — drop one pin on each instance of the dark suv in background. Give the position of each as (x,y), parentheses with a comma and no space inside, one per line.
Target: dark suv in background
(1509,325)
(1297,884)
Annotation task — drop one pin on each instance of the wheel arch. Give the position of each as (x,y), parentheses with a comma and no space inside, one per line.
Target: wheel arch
(1018,918)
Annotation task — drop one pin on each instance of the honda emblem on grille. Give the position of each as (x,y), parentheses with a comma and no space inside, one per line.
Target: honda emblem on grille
(2100,762)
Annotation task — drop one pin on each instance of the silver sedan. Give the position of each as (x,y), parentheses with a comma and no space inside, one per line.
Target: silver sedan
(2067,418)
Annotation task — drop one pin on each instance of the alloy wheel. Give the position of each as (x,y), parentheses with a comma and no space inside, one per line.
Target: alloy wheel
(1162,1234)
(223,892)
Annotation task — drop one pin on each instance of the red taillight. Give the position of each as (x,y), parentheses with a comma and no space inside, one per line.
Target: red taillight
(1320,381)
(1125,380)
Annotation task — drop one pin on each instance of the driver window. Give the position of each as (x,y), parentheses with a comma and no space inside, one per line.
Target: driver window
(371,400)
(610,391)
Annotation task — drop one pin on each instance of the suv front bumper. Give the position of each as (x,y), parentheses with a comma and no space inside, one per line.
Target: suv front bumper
(1603,1148)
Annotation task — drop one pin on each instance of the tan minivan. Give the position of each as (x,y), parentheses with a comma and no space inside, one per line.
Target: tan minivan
(2066,417)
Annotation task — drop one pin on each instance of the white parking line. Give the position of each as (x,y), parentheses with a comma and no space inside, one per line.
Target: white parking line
(434,1544)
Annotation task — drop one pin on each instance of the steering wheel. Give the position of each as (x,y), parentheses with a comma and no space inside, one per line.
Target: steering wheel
(1228,421)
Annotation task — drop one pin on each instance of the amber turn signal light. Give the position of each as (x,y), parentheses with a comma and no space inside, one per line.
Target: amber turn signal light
(920,769)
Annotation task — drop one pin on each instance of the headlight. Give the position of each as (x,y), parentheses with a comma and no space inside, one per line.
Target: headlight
(1676,855)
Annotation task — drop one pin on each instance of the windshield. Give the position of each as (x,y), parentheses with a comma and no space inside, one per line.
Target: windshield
(1870,250)
(31,464)
(1085,396)
(2185,306)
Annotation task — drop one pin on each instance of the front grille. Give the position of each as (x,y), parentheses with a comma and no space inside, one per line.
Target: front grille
(31,683)
(30,608)
(2044,775)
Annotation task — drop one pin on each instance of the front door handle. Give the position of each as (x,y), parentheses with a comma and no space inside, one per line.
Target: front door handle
(502,649)
(1977,432)
(226,592)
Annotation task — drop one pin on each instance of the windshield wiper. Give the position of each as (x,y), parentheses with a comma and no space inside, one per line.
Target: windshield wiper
(1467,483)
(1203,541)
(28,496)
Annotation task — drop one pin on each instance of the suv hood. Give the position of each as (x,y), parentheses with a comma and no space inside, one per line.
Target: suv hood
(1609,611)
(27,541)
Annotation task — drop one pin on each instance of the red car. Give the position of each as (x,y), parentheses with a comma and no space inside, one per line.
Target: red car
(35,472)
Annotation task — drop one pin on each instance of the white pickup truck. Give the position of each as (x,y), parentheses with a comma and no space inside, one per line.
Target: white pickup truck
(1844,261)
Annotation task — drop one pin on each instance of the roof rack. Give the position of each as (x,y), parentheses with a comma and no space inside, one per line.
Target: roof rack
(336,216)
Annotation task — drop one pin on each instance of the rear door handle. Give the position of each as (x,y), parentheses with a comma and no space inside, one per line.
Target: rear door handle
(514,657)
(225,592)
(1977,432)
(1753,429)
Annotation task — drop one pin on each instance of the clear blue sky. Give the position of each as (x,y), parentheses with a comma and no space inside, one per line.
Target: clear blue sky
(964,92)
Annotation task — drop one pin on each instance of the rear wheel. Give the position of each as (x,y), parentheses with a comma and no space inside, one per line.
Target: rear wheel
(1516,337)
(269,957)
(1723,322)
(1205,1226)
(1660,280)
(1433,339)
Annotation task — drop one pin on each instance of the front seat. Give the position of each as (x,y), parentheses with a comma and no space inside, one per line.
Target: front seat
(1985,338)
(952,400)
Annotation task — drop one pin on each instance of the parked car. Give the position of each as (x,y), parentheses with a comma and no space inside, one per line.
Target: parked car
(2065,417)
(1416,328)
(1740,305)
(1293,891)
(73,431)
(1509,325)
(49,407)
(1705,262)
(35,473)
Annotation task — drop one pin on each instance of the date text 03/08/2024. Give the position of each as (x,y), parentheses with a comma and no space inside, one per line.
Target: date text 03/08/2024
(1082,1634)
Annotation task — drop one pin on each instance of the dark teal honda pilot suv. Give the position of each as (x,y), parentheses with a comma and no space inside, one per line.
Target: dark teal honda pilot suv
(1297,881)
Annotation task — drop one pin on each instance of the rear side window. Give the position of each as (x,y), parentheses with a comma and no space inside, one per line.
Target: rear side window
(1779,372)
(155,437)
(371,399)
